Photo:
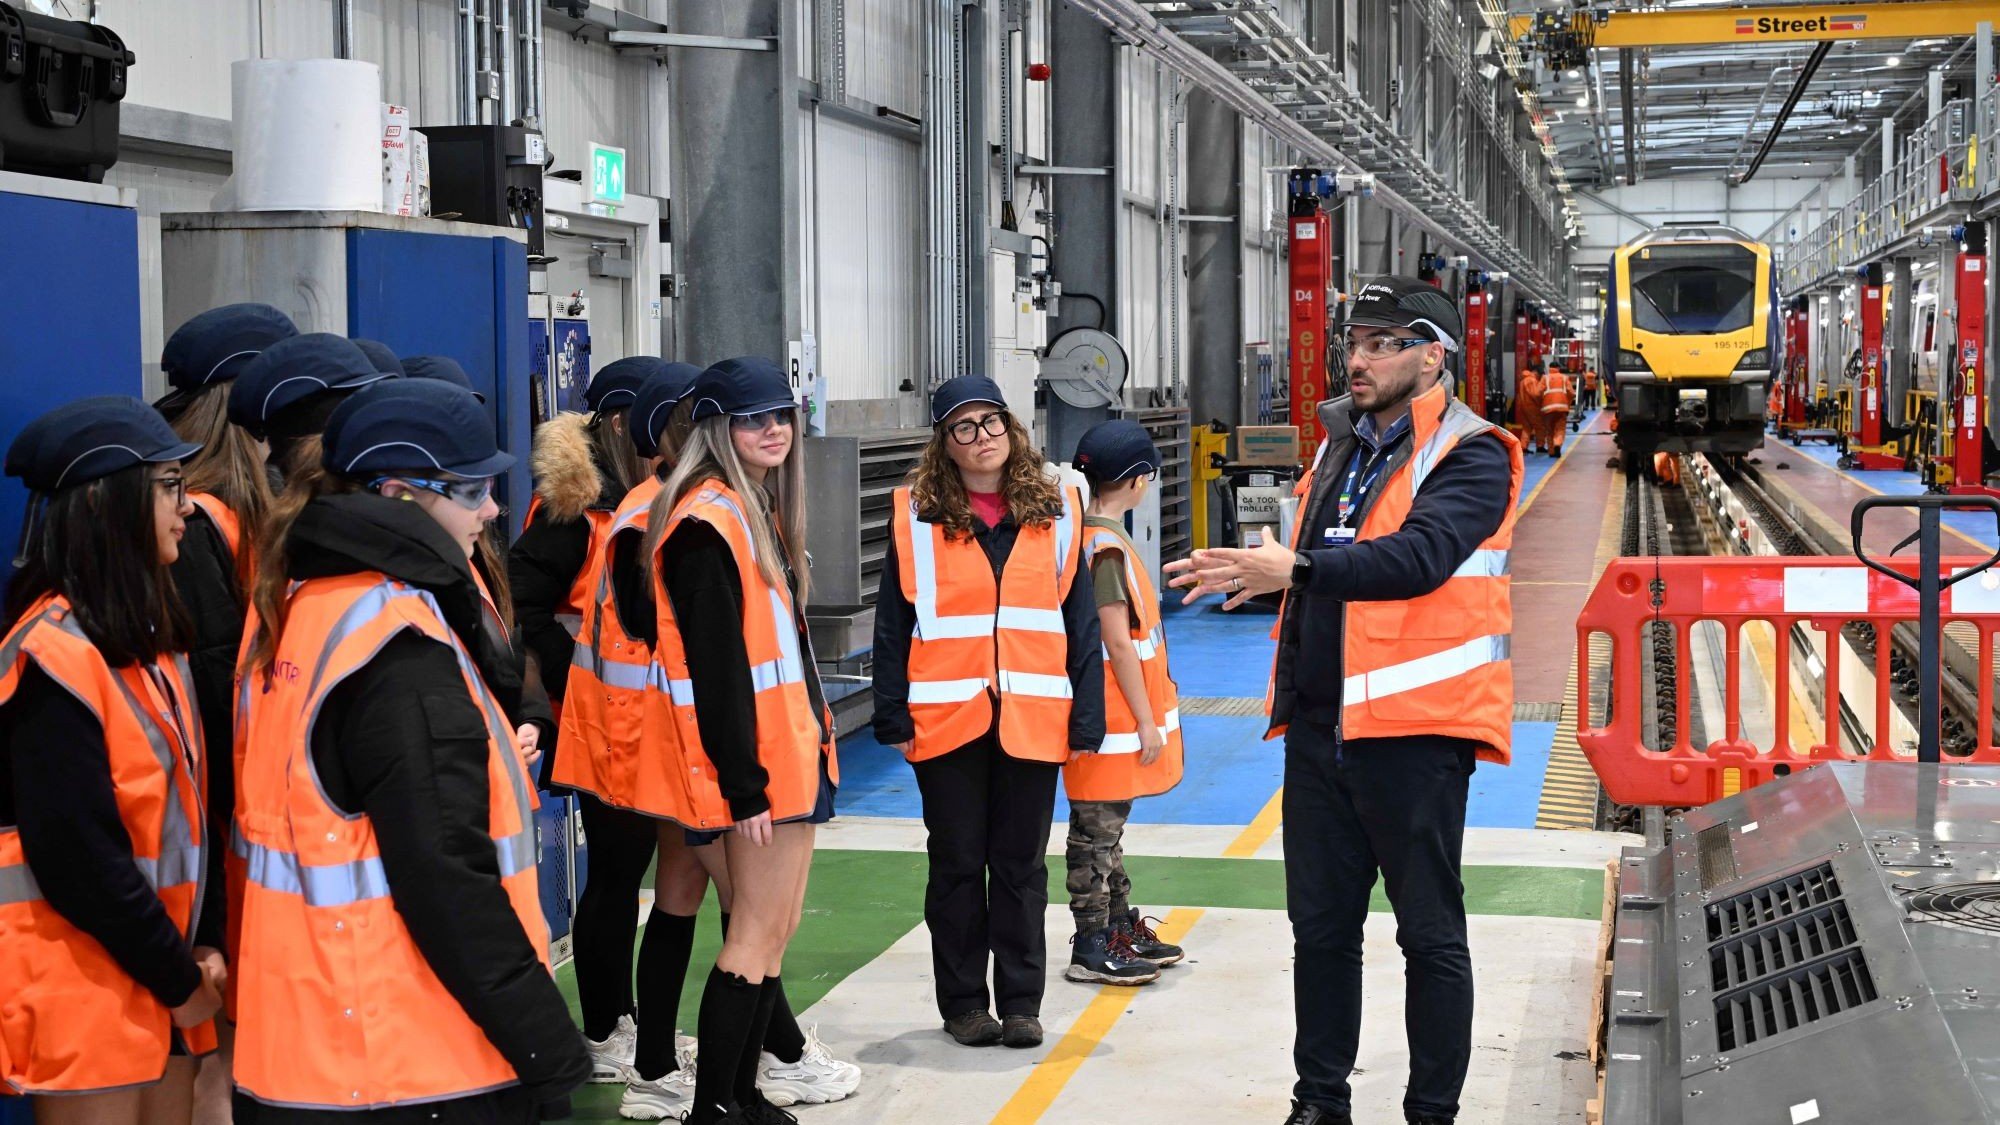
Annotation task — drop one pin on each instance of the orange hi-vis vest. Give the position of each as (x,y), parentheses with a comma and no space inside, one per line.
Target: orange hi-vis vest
(616,708)
(1555,393)
(337,1007)
(981,643)
(1113,773)
(577,602)
(231,526)
(1437,664)
(681,783)
(71,1020)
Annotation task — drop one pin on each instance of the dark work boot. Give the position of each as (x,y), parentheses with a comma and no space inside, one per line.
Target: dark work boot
(1303,1114)
(976,1028)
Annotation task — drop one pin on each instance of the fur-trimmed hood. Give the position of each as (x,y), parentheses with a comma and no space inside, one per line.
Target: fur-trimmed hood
(566,474)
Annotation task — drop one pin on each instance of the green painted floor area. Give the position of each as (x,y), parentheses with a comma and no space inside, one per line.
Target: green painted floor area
(860,902)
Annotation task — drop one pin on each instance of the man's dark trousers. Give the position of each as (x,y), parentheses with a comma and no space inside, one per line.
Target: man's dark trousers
(1398,805)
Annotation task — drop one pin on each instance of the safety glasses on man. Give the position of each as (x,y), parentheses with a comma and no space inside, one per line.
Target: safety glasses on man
(1381,347)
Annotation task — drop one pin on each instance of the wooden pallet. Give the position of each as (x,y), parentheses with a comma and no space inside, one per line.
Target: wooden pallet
(1600,992)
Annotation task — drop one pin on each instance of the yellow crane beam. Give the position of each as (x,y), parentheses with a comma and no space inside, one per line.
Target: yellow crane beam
(1682,27)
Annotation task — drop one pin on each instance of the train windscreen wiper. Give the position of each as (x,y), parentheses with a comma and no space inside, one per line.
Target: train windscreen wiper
(1671,326)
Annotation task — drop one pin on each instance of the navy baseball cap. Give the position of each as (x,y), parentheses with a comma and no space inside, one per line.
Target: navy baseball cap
(1116,449)
(440,367)
(291,371)
(215,346)
(423,425)
(617,384)
(1405,302)
(745,385)
(378,353)
(954,393)
(90,438)
(651,411)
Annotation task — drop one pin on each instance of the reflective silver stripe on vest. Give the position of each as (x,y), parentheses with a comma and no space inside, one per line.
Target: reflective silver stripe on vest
(1065,528)
(344,884)
(1030,620)
(572,623)
(1485,562)
(1034,683)
(612,673)
(948,691)
(1459,422)
(1425,671)
(1128,743)
(923,559)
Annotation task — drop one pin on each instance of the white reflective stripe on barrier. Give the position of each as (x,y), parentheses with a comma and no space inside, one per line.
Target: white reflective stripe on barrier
(1485,563)
(945,691)
(1424,670)
(1128,742)
(1031,620)
(1035,683)
(1826,589)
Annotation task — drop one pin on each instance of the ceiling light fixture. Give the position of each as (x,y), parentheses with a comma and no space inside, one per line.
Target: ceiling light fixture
(1895,60)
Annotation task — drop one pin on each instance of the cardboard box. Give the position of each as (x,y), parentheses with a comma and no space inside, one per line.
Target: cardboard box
(1267,445)
(399,194)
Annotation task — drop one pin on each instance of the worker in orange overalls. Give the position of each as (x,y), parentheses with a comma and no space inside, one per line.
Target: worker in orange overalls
(1528,409)
(1667,468)
(1557,391)
(1591,400)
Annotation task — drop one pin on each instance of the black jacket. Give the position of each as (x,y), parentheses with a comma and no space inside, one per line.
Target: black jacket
(1462,503)
(896,622)
(205,577)
(402,742)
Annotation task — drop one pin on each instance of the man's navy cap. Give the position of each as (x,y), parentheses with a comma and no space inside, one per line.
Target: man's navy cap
(440,367)
(215,346)
(1405,302)
(954,393)
(654,407)
(291,371)
(81,441)
(618,382)
(1116,449)
(413,425)
(378,353)
(747,384)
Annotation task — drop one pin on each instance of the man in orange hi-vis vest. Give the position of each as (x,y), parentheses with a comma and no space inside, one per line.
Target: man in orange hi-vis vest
(1391,680)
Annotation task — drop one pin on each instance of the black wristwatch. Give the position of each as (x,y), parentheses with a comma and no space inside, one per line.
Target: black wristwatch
(1302,570)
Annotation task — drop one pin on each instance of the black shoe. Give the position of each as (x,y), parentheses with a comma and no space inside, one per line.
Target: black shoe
(1022,1031)
(1429,1119)
(1303,1114)
(1146,945)
(1105,957)
(976,1028)
(759,1111)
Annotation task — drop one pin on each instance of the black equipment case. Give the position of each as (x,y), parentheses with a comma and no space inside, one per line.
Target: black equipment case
(60,85)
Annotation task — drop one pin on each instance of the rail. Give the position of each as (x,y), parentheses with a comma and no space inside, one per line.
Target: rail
(1943,167)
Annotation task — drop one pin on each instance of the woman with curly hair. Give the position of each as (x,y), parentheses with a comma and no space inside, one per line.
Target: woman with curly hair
(988,673)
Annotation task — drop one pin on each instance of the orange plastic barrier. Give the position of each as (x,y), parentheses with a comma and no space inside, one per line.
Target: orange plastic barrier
(1821,593)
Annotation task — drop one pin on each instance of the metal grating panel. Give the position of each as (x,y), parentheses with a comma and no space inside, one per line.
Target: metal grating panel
(1780,898)
(1221,705)
(1803,996)
(1774,949)
(1717,855)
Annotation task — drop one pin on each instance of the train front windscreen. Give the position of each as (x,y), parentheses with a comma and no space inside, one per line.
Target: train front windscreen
(1693,290)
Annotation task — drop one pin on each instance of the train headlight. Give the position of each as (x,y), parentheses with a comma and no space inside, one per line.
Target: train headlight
(1631,361)
(1753,359)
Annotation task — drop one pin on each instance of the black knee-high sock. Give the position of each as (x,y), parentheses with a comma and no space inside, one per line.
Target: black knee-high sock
(728,1015)
(746,1068)
(724,916)
(663,966)
(783,1037)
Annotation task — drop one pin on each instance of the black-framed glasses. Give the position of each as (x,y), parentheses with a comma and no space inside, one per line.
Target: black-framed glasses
(468,494)
(752,423)
(1381,347)
(175,486)
(968,431)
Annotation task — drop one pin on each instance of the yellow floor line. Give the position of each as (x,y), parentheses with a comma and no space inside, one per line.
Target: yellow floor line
(1866,487)
(1050,1075)
(1259,830)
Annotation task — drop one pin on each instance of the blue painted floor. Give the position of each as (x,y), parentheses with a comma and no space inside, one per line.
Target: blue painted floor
(1539,465)
(1231,772)
(1890,482)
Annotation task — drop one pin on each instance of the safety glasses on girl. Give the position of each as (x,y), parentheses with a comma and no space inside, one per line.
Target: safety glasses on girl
(968,431)
(752,423)
(468,494)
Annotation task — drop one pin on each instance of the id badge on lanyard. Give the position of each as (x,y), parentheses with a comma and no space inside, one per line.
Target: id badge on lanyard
(1340,534)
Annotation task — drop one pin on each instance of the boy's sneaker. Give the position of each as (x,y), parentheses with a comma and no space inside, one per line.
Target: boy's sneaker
(817,1078)
(669,1095)
(1104,957)
(611,1059)
(1146,945)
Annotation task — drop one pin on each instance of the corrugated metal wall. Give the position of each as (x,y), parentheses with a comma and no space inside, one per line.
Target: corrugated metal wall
(868,226)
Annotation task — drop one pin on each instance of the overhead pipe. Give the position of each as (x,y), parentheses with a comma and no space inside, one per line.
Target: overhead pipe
(343,28)
(468,63)
(1785,111)
(503,33)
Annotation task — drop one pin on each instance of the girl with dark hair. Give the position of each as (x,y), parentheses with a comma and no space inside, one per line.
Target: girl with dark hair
(988,675)
(394,952)
(109,939)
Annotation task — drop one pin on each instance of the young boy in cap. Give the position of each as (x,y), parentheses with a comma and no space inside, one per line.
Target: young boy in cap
(1141,753)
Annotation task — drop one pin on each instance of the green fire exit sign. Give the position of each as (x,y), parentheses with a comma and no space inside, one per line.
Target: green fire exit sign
(607,174)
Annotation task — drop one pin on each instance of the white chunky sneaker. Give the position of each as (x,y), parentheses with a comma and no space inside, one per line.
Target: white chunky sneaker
(817,1078)
(669,1096)
(611,1060)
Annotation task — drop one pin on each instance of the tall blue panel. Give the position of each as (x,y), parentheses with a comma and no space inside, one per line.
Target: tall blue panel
(69,326)
(455,295)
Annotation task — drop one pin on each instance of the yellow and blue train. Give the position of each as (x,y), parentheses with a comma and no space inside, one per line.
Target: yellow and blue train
(1690,340)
